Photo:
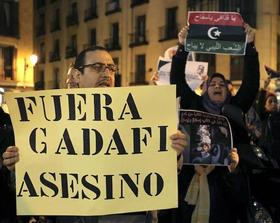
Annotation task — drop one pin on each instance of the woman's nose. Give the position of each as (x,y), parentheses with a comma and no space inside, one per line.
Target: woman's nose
(217,85)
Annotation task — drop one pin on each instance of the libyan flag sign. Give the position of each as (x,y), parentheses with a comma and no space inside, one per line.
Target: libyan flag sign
(216,32)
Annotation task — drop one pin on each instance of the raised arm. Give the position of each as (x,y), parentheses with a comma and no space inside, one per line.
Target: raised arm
(177,74)
(251,77)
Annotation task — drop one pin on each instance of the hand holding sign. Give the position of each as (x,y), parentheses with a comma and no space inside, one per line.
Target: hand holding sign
(10,157)
(183,35)
(234,158)
(179,142)
(250,33)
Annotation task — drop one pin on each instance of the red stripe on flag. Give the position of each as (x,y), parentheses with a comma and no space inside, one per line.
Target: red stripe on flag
(216,18)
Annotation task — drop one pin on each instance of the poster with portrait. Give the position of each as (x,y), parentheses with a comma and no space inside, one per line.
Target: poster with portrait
(196,73)
(209,137)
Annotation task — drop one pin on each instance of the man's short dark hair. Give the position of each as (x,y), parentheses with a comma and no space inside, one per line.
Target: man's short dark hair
(80,59)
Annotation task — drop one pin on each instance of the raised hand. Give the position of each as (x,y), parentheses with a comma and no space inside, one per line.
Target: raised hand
(155,78)
(182,35)
(234,159)
(250,32)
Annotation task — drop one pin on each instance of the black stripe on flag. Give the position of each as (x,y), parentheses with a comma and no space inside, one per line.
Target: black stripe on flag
(228,33)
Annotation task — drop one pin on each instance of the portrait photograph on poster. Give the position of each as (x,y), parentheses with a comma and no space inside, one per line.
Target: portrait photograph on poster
(209,137)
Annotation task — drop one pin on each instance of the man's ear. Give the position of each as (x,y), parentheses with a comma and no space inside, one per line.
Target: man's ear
(77,75)
(73,78)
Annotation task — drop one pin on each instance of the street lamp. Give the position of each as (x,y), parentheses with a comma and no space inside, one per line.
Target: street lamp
(33,59)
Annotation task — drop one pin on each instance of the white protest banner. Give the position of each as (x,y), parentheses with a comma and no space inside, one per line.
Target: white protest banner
(95,151)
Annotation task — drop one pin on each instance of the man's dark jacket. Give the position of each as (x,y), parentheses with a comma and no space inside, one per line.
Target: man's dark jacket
(7,190)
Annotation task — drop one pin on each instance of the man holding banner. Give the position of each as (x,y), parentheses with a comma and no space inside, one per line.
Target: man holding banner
(94,68)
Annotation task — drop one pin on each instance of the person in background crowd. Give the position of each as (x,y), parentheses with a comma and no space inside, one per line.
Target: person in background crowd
(270,118)
(267,101)
(253,124)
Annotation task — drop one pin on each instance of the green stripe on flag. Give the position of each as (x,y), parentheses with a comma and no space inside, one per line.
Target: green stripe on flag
(215,46)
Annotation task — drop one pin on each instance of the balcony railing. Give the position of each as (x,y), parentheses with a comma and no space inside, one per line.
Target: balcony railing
(55,25)
(10,32)
(111,44)
(39,85)
(90,13)
(137,39)
(138,83)
(87,45)
(7,75)
(72,19)
(138,2)
(70,52)
(41,30)
(54,84)
(9,23)
(40,4)
(54,56)
(41,59)
(137,79)
(167,33)
(112,7)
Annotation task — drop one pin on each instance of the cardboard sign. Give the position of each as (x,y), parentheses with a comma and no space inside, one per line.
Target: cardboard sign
(95,151)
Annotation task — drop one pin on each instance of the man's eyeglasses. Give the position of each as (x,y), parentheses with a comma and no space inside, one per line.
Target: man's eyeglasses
(100,67)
